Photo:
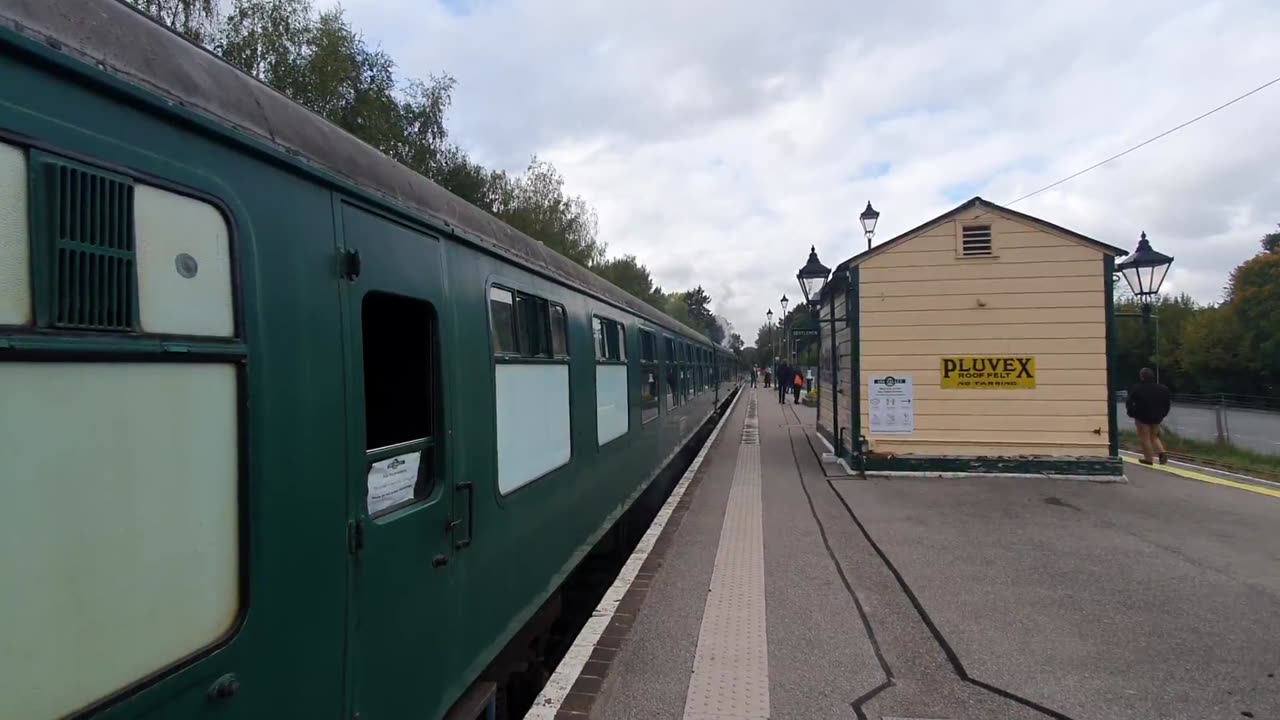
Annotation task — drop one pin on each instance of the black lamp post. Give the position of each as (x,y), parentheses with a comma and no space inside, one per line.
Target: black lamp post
(784,326)
(769,322)
(813,280)
(813,277)
(1144,271)
(869,218)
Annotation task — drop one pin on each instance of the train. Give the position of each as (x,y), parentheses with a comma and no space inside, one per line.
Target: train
(286,429)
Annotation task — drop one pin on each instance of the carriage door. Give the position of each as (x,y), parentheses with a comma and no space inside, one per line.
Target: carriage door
(401,530)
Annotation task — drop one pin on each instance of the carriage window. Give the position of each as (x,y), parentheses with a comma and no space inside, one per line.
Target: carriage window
(399,390)
(532,316)
(673,393)
(611,342)
(184,264)
(15,260)
(649,374)
(617,342)
(531,388)
(397,369)
(613,402)
(502,320)
(527,325)
(559,345)
(648,346)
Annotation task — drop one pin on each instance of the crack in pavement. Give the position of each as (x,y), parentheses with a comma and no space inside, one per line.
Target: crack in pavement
(925,678)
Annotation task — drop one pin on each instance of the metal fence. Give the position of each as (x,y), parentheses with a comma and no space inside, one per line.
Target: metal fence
(1231,400)
(1251,422)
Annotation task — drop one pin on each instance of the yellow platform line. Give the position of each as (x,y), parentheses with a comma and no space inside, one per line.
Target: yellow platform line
(1208,478)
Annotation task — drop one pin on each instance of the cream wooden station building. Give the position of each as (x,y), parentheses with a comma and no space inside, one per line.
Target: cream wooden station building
(978,342)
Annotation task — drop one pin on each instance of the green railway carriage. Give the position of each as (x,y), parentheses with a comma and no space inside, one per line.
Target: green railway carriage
(286,430)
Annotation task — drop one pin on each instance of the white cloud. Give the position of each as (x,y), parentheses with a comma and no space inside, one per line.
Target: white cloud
(718,140)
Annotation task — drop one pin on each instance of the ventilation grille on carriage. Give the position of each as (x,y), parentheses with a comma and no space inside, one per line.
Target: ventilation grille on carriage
(93,259)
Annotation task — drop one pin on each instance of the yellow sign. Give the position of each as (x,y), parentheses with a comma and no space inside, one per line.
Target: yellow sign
(999,372)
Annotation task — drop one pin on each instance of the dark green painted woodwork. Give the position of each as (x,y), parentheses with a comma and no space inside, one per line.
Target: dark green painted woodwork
(399,593)
(1108,288)
(1079,466)
(853,307)
(323,632)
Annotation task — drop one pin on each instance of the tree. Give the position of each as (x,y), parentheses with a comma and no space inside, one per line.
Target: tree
(735,343)
(1271,242)
(627,273)
(535,203)
(1214,352)
(1136,341)
(698,304)
(673,304)
(271,40)
(196,19)
(469,180)
(767,345)
(1253,301)
(423,140)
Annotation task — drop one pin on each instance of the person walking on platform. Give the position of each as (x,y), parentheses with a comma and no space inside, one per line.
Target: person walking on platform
(783,378)
(797,384)
(753,376)
(808,381)
(1148,404)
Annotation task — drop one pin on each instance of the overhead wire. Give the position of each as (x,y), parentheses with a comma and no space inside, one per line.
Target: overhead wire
(1148,141)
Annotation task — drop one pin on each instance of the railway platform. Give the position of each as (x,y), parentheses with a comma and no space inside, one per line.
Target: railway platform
(773,585)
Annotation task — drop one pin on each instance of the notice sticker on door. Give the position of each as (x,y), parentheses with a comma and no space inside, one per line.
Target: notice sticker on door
(391,481)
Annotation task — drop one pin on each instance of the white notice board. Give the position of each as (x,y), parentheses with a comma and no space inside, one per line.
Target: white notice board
(892,404)
(391,481)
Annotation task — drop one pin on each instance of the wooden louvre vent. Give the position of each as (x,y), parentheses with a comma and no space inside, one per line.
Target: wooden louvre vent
(93,260)
(975,241)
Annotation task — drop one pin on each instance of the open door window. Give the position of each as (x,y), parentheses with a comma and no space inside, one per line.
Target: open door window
(399,394)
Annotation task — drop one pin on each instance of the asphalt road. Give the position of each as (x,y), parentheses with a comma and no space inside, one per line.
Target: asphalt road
(1251,429)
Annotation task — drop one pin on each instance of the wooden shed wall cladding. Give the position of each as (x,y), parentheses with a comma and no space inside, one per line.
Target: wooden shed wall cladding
(980,285)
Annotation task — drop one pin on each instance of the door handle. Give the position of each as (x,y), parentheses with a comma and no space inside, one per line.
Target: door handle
(459,544)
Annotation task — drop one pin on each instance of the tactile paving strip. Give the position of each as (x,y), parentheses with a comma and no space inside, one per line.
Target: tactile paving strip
(731,665)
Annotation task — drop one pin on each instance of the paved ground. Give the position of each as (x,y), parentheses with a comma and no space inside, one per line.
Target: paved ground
(1157,599)
(1251,429)
(974,598)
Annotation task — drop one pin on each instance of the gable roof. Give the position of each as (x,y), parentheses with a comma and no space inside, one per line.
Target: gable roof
(978,202)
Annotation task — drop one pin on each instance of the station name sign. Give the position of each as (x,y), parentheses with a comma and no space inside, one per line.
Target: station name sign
(992,372)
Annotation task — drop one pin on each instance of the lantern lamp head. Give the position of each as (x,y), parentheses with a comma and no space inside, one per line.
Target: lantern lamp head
(1145,270)
(869,218)
(813,278)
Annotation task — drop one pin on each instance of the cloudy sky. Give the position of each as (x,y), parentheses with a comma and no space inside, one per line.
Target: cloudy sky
(718,139)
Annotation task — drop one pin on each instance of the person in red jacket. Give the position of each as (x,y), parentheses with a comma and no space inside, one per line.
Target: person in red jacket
(1148,404)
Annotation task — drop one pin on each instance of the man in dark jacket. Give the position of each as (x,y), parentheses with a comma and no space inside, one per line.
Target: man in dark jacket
(1148,404)
(783,379)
